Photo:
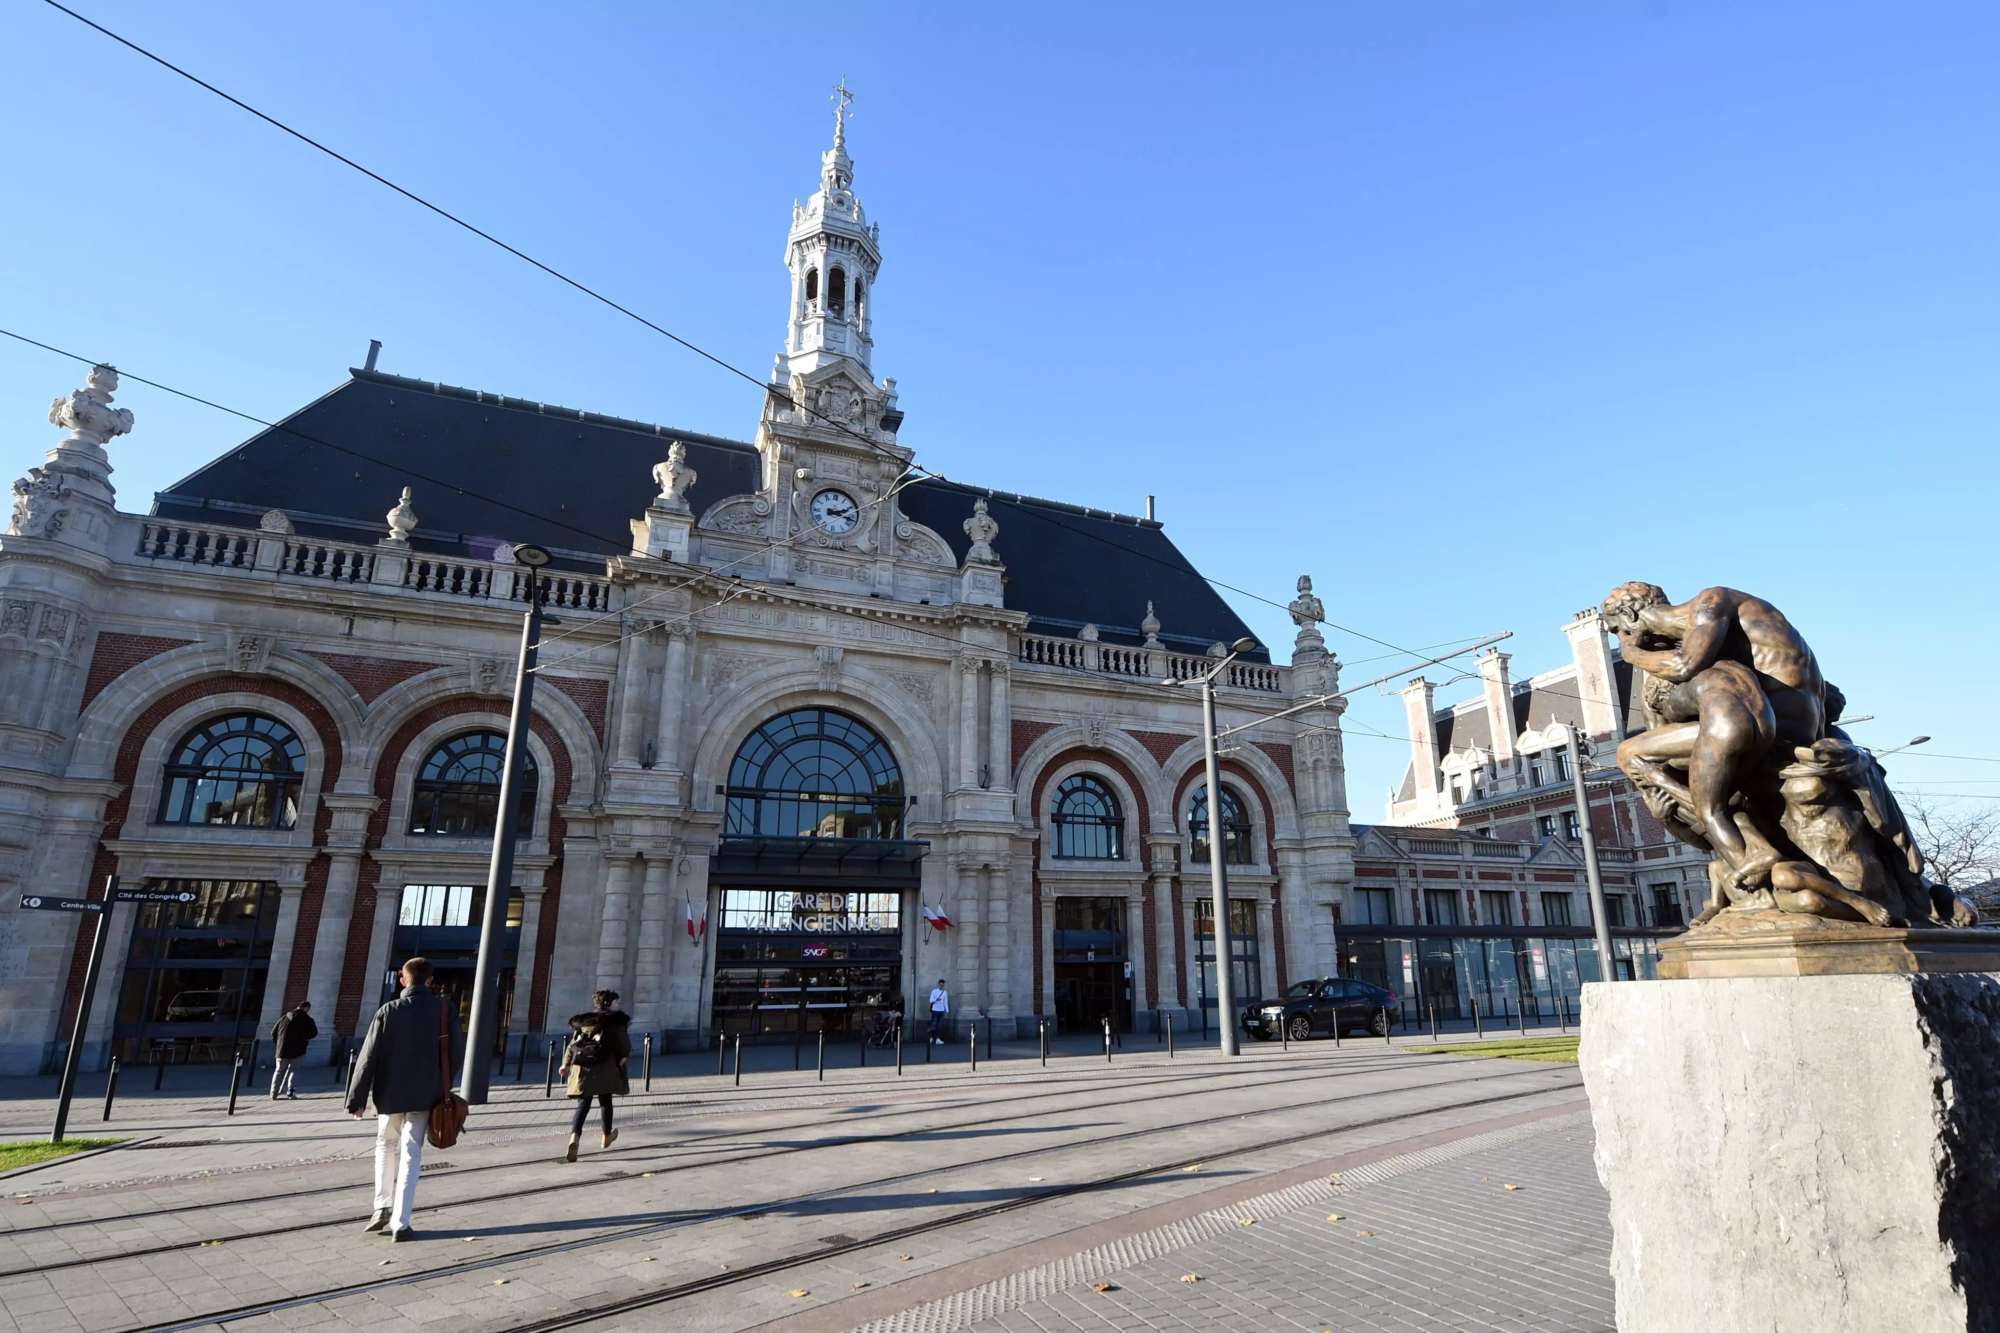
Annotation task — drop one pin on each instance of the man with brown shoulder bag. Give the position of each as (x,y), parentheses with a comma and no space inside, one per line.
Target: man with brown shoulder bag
(404,1069)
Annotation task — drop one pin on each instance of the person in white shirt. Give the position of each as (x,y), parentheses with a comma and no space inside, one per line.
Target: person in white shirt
(940,1012)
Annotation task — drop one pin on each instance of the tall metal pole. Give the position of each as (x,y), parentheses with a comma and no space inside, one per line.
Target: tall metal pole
(74,1058)
(1607,966)
(500,871)
(1218,879)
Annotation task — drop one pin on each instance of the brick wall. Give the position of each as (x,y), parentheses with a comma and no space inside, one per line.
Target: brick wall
(1025,734)
(592,696)
(372,677)
(114,654)
(1160,744)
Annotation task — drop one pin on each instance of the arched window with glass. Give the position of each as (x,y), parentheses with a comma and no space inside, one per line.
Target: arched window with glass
(1236,849)
(457,791)
(1089,826)
(814,773)
(243,770)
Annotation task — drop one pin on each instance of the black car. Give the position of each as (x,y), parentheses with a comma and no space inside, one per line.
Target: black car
(1312,1008)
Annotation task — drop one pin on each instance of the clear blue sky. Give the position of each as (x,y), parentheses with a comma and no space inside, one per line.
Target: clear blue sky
(1470,310)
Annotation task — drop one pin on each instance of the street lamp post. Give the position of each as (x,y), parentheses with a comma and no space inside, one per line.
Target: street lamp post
(473,1078)
(1607,965)
(1218,878)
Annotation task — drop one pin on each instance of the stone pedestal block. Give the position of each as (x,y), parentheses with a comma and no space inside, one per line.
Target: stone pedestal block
(1800,1153)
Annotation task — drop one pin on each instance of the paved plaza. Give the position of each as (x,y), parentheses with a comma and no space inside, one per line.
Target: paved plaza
(1364,1187)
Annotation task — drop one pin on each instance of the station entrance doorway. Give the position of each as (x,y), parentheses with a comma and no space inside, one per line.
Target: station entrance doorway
(1093,971)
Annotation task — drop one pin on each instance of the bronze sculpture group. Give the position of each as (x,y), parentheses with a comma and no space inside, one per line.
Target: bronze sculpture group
(1743,758)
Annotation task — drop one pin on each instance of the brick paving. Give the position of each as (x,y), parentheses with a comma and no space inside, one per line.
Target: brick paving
(709,1180)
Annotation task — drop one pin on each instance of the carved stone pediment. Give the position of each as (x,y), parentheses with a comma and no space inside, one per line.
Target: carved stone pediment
(748,515)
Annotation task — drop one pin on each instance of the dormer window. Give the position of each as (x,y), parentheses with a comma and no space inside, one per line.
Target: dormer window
(836,291)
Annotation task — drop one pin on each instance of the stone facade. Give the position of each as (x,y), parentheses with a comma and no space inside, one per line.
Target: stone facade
(375,641)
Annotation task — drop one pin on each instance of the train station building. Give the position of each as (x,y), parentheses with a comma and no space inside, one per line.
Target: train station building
(811,731)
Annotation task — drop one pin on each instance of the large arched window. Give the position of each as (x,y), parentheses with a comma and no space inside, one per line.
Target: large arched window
(1088,823)
(836,291)
(1235,827)
(245,769)
(812,285)
(815,773)
(457,791)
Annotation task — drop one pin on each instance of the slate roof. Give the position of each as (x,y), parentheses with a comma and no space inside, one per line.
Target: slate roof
(573,481)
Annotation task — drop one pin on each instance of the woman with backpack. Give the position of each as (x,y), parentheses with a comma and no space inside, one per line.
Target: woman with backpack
(594,1063)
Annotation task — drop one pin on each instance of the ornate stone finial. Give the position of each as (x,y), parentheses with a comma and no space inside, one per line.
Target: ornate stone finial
(674,478)
(1089,634)
(982,529)
(1217,650)
(274,520)
(1306,609)
(402,521)
(1150,627)
(503,554)
(88,414)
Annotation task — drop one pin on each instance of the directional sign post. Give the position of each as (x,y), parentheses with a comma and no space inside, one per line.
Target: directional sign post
(101,909)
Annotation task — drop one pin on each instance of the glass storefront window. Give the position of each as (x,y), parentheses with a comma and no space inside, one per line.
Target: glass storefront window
(193,987)
(1246,973)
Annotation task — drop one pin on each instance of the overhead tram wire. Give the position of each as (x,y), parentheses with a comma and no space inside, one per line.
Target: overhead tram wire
(629,313)
(695,574)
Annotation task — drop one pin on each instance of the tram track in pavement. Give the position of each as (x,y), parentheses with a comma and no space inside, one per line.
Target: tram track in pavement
(848,1245)
(1320,1070)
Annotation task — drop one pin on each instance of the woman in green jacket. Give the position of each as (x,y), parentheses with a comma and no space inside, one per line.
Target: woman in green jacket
(594,1063)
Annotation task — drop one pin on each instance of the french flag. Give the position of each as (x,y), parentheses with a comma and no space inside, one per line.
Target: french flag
(696,931)
(937,918)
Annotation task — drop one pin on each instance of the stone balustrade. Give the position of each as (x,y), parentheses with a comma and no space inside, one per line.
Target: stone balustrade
(1149,664)
(291,557)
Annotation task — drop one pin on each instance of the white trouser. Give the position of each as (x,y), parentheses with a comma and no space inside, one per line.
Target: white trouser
(281,1078)
(399,1148)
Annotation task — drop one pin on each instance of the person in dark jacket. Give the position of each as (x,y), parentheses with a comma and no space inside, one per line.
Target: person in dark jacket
(594,1063)
(293,1033)
(401,1069)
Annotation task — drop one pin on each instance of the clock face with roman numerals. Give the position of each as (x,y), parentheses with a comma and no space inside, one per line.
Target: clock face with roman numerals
(835,512)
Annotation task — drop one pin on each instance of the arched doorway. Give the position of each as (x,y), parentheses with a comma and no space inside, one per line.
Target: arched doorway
(814,870)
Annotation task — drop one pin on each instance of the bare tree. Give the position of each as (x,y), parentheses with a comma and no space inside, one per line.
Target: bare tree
(1961,845)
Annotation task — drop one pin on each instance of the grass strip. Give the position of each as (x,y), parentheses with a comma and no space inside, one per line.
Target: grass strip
(1557,1050)
(32,1151)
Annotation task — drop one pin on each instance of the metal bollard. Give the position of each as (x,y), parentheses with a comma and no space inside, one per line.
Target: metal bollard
(739,1059)
(929,1044)
(1562,1012)
(111,1087)
(160,1066)
(1434,1022)
(1336,1029)
(549,1075)
(1042,1039)
(347,1067)
(1107,1041)
(972,1042)
(1478,1028)
(721,1055)
(864,1050)
(1521,1018)
(235,1080)
(899,1048)
(648,1066)
(989,1039)
(822,1055)
(1170,1039)
(1285,1034)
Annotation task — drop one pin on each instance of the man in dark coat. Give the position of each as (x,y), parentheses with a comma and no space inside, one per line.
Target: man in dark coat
(401,1069)
(293,1033)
